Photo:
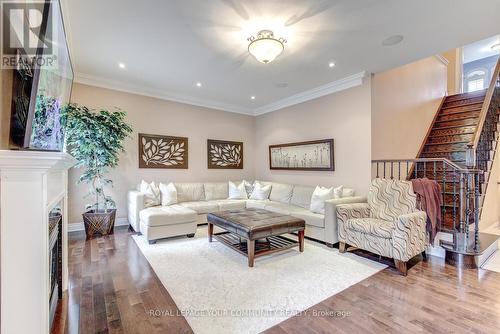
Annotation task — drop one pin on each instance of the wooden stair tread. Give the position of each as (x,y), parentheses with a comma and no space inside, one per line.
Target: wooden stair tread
(462,109)
(462,103)
(463,96)
(458,116)
(456,124)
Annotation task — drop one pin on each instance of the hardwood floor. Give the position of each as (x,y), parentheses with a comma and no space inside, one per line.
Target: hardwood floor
(113,289)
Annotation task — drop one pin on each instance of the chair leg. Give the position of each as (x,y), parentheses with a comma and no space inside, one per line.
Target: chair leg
(401,267)
(424,255)
(342,247)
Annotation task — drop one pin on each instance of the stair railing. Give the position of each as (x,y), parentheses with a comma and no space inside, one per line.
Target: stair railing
(459,189)
(481,149)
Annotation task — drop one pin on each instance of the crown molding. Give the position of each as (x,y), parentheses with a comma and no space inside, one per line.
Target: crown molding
(91,80)
(329,88)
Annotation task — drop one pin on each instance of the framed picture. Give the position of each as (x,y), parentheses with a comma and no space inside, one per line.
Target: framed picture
(224,154)
(316,155)
(157,151)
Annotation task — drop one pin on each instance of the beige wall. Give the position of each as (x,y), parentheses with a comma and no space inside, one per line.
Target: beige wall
(404,102)
(454,57)
(154,116)
(343,116)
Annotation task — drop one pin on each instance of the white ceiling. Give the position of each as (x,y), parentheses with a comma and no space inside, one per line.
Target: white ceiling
(169,46)
(481,49)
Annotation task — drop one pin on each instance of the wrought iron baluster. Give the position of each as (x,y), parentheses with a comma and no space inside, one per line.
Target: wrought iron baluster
(455,198)
(384,169)
(377,169)
(399,170)
(476,211)
(392,170)
(443,208)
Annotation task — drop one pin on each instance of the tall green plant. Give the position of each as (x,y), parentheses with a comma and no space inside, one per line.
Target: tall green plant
(95,139)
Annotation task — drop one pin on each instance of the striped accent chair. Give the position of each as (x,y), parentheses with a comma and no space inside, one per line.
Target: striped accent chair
(388,225)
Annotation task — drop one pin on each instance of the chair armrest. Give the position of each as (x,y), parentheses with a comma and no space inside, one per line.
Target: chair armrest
(135,203)
(409,236)
(350,211)
(331,229)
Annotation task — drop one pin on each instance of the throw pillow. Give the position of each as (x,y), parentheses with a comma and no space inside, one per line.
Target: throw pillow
(318,198)
(260,192)
(168,194)
(151,194)
(237,191)
(338,192)
(248,188)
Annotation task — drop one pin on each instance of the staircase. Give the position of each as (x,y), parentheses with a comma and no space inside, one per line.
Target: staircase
(458,152)
(450,137)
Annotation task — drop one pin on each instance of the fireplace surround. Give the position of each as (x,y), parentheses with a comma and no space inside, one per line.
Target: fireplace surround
(33,226)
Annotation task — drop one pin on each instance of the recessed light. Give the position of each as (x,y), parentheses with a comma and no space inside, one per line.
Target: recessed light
(392,40)
(331,64)
(121,65)
(252,97)
(495,47)
(282,85)
(198,84)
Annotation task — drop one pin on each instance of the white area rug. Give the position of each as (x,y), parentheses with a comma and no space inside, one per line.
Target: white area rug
(219,293)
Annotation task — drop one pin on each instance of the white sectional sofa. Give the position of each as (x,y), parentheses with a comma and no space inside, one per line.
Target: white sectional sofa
(195,200)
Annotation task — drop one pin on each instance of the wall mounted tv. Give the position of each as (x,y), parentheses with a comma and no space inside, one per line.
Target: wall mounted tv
(42,82)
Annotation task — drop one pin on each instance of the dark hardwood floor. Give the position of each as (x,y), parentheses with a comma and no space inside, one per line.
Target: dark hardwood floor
(113,288)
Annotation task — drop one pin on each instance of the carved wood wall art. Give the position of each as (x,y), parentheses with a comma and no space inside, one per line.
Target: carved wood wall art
(157,151)
(224,154)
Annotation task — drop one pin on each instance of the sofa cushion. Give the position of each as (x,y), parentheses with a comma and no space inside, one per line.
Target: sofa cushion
(201,206)
(348,192)
(231,204)
(373,226)
(281,192)
(167,215)
(216,190)
(301,196)
(319,196)
(311,218)
(278,207)
(256,204)
(189,192)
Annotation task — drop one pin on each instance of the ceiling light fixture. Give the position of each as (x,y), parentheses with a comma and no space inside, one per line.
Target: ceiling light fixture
(392,40)
(265,47)
(121,65)
(252,97)
(331,64)
(198,84)
(495,47)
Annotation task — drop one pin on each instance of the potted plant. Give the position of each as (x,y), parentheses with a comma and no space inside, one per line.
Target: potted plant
(95,139)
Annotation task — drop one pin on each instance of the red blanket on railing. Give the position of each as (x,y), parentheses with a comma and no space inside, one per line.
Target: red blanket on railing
(429,199)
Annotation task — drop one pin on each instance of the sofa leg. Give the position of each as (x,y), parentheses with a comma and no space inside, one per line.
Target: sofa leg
(152,242)
(190,235)
(424,255)
(130,228)
(341,247)
(401,267)
(329,245)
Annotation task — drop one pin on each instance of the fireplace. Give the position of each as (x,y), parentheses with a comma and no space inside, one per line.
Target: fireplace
(55,260)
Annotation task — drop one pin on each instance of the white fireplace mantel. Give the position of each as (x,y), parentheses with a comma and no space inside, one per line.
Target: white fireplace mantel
(31,184)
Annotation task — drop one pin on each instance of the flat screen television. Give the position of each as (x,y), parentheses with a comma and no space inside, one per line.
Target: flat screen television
(42,87)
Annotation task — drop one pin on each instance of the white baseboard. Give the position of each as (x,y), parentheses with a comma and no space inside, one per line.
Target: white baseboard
(75,227)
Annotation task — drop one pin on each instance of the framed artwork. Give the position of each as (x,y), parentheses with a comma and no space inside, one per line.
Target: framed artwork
(316,155)
(224,154)
(157,151)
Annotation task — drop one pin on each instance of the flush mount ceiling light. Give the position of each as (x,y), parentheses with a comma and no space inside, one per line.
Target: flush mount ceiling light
(265,47)
(392,40)
(495,47)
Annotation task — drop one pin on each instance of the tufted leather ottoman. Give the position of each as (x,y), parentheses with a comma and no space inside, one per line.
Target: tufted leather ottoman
(262,231)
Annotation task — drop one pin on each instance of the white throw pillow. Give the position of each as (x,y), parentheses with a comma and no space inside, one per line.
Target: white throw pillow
(168,194)
(338,192)
(237,191)
(151,194)
(260,192)
(318,198)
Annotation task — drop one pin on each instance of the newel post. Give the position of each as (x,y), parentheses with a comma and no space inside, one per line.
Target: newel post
(470,156)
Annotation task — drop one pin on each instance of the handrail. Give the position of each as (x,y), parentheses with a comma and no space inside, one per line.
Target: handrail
(448,162)
(486,105)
